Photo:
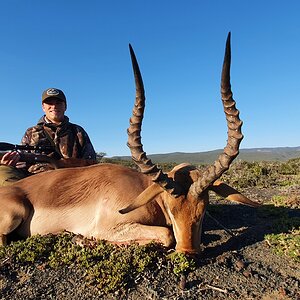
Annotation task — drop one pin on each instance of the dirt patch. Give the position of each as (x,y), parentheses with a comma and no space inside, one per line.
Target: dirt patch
(236,263)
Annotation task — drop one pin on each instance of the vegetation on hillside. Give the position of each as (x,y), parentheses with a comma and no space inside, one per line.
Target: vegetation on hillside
(264,174)
(279,154)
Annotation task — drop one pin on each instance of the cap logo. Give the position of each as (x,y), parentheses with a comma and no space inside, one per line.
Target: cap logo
(52,92)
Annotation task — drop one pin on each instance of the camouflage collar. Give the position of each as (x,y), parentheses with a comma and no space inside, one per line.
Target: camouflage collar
(42,121)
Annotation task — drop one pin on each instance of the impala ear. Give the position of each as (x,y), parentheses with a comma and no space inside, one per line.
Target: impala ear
(145,197)
(231,194)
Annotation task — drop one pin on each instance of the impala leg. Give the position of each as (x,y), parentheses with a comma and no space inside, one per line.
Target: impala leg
(14,209)
(142,234)
(9,221)
(3,240)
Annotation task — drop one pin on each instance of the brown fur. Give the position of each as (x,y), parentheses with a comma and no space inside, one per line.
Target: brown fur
(87,201)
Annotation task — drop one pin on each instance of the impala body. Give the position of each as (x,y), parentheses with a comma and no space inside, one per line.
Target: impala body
(122,205)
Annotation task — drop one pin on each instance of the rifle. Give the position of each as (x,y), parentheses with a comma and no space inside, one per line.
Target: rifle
(30,157)
(42,158)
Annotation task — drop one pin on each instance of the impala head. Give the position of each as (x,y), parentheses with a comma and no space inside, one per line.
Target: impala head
(186,211)
(184,190)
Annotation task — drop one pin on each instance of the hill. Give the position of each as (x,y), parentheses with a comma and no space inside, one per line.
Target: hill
(254,154)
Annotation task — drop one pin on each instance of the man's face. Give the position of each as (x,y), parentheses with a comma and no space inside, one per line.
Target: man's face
(54,109)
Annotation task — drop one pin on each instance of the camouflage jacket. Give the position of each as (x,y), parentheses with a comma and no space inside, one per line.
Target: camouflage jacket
(68,139)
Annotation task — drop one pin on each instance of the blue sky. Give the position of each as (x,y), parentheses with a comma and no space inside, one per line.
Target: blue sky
(81,47)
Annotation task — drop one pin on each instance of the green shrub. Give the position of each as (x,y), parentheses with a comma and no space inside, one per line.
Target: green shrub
(107,266)
(287,244)
(182,264)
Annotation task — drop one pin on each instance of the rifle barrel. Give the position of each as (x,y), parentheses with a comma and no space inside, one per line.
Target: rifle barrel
(13,147)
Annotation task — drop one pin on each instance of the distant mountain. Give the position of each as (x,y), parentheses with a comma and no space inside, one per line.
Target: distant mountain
(254,154)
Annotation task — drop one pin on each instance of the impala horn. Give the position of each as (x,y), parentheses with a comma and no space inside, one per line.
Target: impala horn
(134,136)
(235,135)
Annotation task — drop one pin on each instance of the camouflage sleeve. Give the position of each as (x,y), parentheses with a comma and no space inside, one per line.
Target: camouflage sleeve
(25,141)
(31,138)
(26,137)
(88,151)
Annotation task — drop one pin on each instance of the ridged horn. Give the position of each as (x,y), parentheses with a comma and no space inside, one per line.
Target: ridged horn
(134,136)
(235,135)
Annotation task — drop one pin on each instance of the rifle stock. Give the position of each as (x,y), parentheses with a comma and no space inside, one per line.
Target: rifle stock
(32,158)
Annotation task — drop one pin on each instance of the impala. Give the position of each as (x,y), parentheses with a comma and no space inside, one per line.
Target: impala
(122,205)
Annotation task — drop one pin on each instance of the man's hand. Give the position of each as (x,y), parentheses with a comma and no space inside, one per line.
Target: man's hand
(10,158)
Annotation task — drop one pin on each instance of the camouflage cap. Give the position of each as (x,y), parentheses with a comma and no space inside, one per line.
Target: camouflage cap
(53,93)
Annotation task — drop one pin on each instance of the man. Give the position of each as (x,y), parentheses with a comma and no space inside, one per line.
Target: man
(53,129)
